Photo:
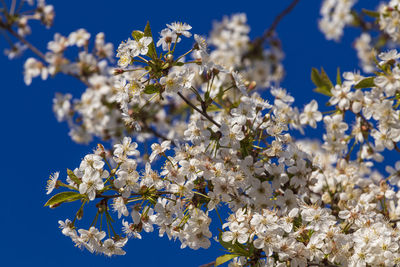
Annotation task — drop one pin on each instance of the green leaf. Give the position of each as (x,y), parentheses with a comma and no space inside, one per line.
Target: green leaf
(371,13)
(224,258)
(73,177)
(365,83)
(338,77)
(322,82)
(206,95)
(137,35)
(325,79)
(63,197)
(150,89)
(315,78)
(179,63)
(152,48)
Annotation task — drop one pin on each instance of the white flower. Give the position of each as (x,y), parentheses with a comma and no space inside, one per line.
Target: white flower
(91,238)
(129,230)
(237,232)
(52,182)
(15,51)
(111,247)
(67,228)
(142,47)
(127,148)
(311,114)
(79,38)
(120,207)
(34,68)
(62,106)
(180,28)
(159,149)
(388,56)
(172,82)
(167,38)
(341,96)
(239,82)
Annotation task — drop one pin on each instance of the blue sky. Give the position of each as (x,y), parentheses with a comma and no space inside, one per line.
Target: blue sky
(34,144)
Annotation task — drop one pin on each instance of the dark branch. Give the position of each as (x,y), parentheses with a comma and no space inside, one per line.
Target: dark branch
(198,110)
(278,18)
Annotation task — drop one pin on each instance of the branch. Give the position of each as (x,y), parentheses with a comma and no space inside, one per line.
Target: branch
(198,110)
(37,51)
(325,263)
(210,264)
(25,42)
(257,43)
(153,131)
(278,18)
(396,147)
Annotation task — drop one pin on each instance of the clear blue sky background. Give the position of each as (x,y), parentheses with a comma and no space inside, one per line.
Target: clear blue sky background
(34,144)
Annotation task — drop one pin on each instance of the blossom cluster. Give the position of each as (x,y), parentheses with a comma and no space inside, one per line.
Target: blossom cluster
(15,18)
(218,144)
(335,16)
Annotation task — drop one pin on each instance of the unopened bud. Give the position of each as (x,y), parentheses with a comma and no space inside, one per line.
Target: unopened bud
(252,85)
(118,71)
(326,198)
(101,206)
(170,57)
(101,150)
(79,214)
(54,206)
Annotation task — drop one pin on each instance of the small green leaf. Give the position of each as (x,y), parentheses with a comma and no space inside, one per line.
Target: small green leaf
(365,83)
(206,95)
(152,48)
(224,258)
(150,89)
(63,197)
(137,35)
(325,79)
(179,63)
(213,107)
(73,177)
(338,77)
(322,82)
(371,13)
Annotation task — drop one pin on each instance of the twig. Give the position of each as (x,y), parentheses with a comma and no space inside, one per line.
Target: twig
(28,44)
(153,131)
(12,8)
(396,147)
(257,43)
(326,264)
(38,53)
(278,18)
(198,110)
(210,264)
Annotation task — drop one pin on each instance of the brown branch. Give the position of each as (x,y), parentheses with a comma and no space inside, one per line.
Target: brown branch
(25,42)
(396,147)
(257,44)
(37,51)
(198,110)
(210,264)
(278,18)
(153,131)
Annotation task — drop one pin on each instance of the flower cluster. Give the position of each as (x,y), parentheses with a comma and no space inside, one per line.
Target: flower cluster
(217,144)
(288,200)
(39,11)
(335,16)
